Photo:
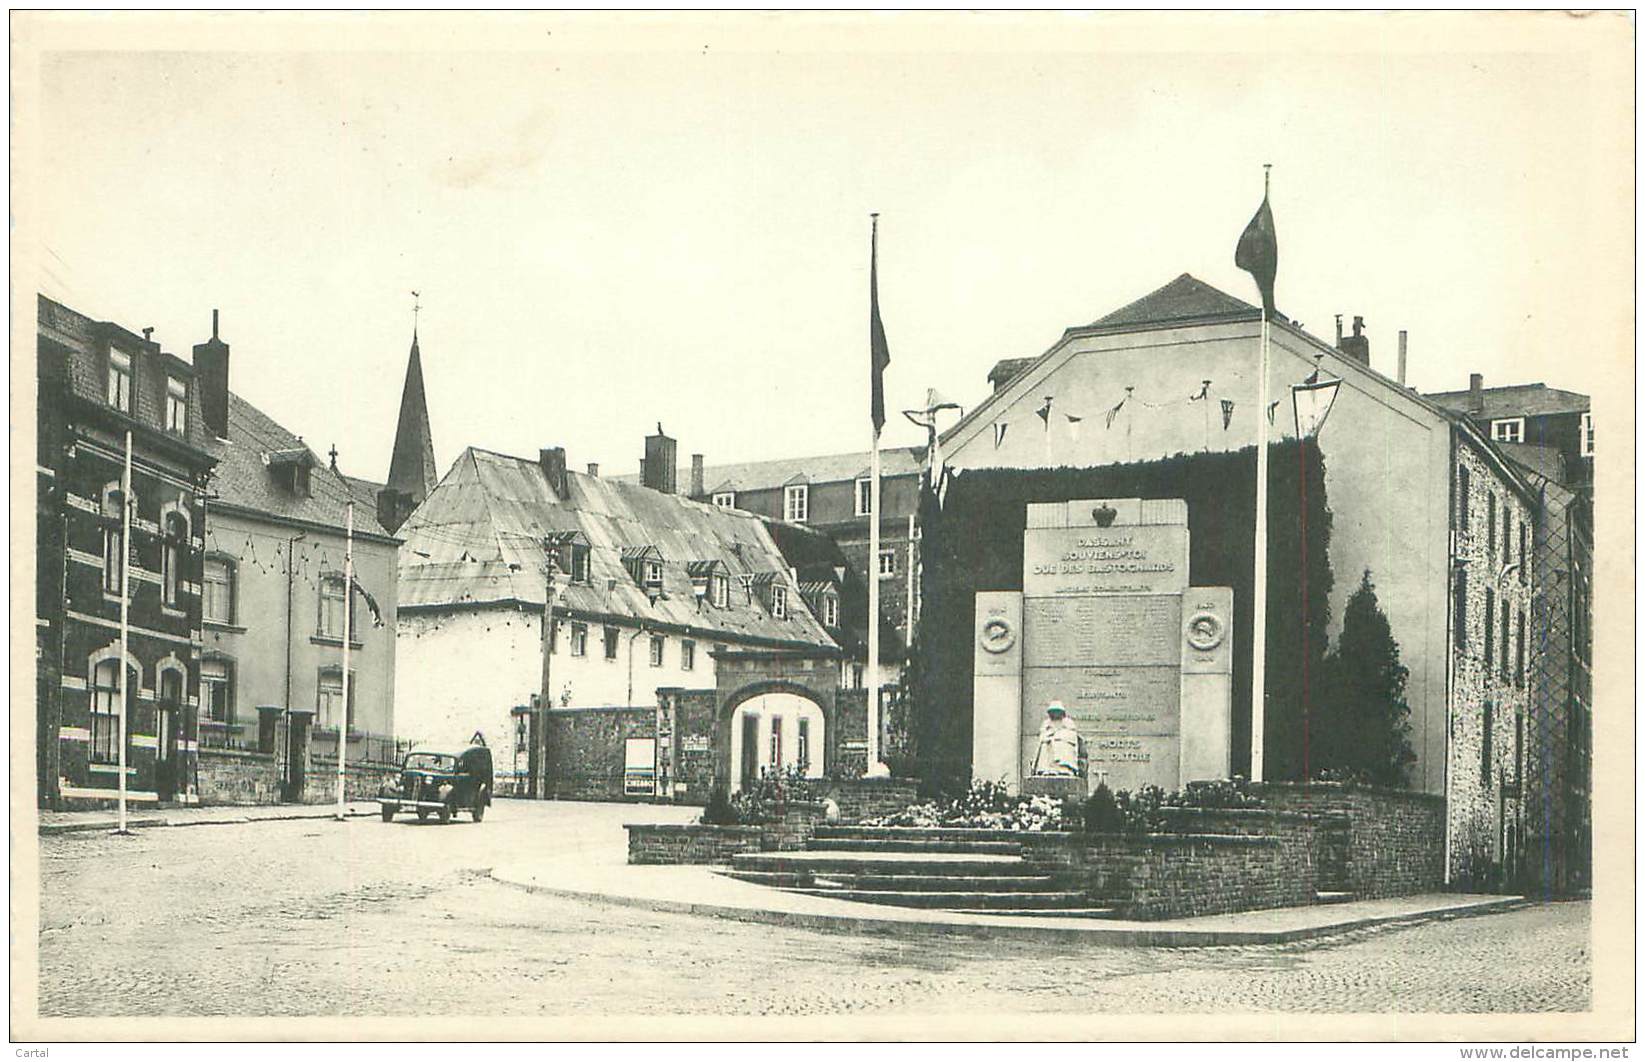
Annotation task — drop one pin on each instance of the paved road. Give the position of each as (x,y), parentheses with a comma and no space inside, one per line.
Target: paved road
(325,918)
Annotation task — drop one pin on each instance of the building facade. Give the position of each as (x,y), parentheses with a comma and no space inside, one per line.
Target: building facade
(98,386)
(275,595)
(647,588)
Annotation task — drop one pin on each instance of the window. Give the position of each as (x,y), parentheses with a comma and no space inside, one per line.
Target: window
(1463,498)
(1459,621)
(217,691)
(1490,522)
(779,602)
(1524,575)
(579,639)
(1587,435)
(120,380)
(802,747)
(1485,748)
(572,558)
(332,600)
(113,559)
(1490,628)
(720,584)
(726,499)
(171,557)
(1503,659)
(652,573)
(796,503)
(168,711)
(1511,430)
(1519,653)
(688,655)
(330,697)
(776,743)
(1519,747)
(831,610)
(657,644)
(217,605)
(611,643)
(176,406)
(105,710)
(1507,533)
(865,496)
(888,563)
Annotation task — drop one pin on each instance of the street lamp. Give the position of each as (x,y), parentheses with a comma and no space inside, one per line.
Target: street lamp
(1311,400)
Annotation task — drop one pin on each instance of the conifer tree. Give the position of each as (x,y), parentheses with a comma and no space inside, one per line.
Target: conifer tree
(1366,727)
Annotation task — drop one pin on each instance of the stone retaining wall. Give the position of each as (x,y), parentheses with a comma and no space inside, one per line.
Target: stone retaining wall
(654,843)
(1392,841)
(867,798)
(361,781)
(235,777)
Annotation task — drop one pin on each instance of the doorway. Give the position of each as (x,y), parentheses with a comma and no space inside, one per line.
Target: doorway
(165,732)
(750,770)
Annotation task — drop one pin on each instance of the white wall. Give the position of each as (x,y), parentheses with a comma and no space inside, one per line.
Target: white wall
(784,711)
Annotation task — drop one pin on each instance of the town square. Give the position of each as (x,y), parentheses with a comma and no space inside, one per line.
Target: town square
(708,517)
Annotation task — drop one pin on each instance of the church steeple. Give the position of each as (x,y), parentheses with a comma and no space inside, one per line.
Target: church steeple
(411,468)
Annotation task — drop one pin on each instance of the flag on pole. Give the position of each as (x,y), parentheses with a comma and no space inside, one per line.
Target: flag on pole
(1044,412)
(1258,251)
(1227,413)
(371,604)
(879,354)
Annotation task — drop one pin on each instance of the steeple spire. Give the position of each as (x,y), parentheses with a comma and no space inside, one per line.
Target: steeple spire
(411,468)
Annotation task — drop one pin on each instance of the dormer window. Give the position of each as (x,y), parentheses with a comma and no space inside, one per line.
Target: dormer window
(709,580)
(779,602)
(1587,435)
(865,496)
(176,406)
(796,503)
(120,380)
(830,610)
(652,574)
(720,590)
(290,469)
(571,554)
(726,499)
(1508,430)
(645,567)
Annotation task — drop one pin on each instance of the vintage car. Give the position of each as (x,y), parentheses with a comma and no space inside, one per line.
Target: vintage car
(440,782)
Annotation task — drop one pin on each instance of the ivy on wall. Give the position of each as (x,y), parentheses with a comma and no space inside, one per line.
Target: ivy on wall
(974,541)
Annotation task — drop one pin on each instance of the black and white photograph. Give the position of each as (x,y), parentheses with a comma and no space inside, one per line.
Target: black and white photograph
(823,526)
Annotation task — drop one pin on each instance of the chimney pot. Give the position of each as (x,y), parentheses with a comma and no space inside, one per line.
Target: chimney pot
(696,475)
(1356,346)
(1401,377)
(1476,392)
(214,324)
(1339,331)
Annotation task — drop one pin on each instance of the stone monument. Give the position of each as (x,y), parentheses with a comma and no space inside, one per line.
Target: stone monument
(1106,624)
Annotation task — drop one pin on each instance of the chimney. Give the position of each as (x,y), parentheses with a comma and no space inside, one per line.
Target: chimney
(593,470)
(211,376)
(1476,393)
(1339,331)
(1401,377)
(552,462)
(696,475)
(1358,345)
(657,469)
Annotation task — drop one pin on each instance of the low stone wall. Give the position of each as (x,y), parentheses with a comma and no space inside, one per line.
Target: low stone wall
(792,832)
(361,781)
(1392,840)
(672,843)
(867,798)
(233,776)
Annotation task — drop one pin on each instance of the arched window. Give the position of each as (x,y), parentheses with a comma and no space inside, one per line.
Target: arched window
(171,557)
(105,709)
(169,712)
(114,557)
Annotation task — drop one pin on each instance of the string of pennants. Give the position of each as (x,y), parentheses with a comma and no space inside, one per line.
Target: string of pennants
(1049,413)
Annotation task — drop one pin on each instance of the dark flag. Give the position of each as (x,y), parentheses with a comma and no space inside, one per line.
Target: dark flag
(371,603)
(879,354)
(1258,251)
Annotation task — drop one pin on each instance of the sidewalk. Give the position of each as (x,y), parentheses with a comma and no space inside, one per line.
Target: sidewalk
(607,877)
(53,822)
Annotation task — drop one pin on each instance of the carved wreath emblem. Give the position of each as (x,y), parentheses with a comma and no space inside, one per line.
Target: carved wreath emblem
(997,634)
(1205,631)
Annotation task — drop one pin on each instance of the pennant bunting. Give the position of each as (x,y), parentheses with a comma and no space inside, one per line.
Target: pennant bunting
(1271,407)
(1074,426)
(999,432)
(1227,413)
(1044,412)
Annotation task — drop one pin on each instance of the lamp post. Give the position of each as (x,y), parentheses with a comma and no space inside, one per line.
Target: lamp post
(1311,402)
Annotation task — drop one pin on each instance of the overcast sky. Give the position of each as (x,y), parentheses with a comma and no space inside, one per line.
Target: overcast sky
(614,230)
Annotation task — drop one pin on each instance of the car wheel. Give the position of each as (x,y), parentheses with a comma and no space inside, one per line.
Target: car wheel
(388,813)
(445,812)
(479,806)
(422,814)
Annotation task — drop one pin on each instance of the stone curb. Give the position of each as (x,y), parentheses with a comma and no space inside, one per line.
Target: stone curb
(227,818)
(1123,937)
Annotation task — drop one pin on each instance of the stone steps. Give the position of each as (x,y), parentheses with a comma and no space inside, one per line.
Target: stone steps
(992,902)
(898,833)
(887,863)
(914,844)
(1322,896)
(899,882)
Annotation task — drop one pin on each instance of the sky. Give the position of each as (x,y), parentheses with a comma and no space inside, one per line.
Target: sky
(615,225)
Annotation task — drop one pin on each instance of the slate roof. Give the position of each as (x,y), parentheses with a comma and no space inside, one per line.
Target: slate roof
(243,479)
(778,472)
(411,467)
(1517,400)
(477,540)
(1545,461)
(1006,369)
(1185,298)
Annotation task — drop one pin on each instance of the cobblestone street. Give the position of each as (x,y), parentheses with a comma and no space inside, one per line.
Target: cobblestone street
(324,918)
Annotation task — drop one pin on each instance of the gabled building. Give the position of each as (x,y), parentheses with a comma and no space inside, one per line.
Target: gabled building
(648,589)
(1531,415)
(1419,497)
(273,613)
(99,384)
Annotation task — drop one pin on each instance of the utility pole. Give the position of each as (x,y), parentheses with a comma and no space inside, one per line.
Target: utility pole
(348,633)
(125,622)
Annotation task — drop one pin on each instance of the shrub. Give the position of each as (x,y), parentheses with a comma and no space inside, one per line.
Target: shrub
(719,811)
(1102,812)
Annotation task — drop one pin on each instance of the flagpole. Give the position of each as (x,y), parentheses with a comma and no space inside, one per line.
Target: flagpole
(125,621)
(1259,591)
(872,766)
(348,633)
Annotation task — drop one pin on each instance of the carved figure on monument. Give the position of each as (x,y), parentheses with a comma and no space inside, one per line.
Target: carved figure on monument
(1059,751)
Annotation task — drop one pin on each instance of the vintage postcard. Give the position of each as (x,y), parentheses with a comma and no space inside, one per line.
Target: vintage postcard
(823,526)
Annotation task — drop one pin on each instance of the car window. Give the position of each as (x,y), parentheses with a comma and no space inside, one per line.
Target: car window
(430,761)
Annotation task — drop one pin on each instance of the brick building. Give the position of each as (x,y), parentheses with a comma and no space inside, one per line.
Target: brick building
(275,593)
(98,384)
(649,589)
